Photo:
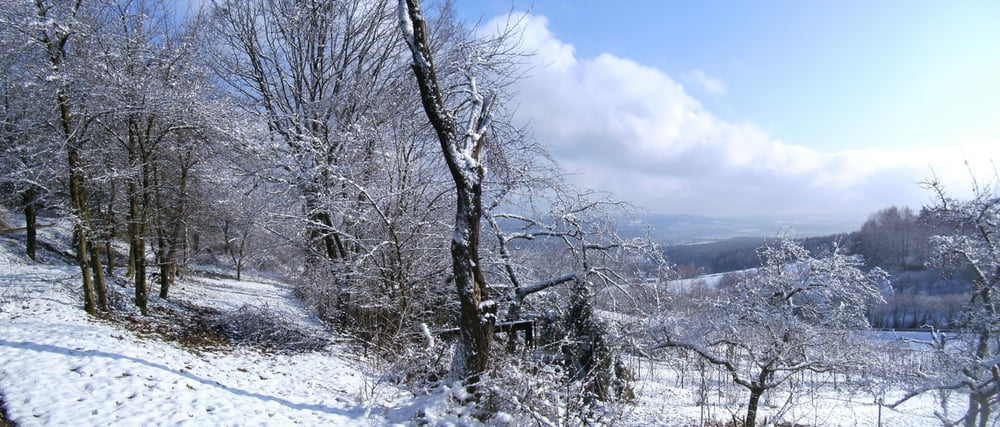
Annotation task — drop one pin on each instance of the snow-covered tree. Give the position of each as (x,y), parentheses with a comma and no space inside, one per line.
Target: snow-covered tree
(796,313)
(547,237)
(31,161)
(578,233)
(461,119)
(58,30)
(566,262)
(893,238)
(321,74)
(330,81)
(117,90)
(971,359)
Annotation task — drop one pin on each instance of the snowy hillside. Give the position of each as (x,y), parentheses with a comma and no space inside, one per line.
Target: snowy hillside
(60,367)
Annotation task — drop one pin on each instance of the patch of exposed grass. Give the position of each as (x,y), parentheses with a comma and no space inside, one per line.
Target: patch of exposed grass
(207,329)
(190,326)
(4,421)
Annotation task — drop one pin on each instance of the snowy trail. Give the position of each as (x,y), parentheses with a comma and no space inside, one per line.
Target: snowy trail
(232,294)
(66,379)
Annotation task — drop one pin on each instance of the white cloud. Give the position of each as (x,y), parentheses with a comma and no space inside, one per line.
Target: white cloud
(632,129)
(706,82)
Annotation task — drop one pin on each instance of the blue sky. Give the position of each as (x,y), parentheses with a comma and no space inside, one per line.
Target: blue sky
(775,108)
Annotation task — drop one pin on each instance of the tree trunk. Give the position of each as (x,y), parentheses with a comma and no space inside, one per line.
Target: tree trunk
(130,269)
(80,230)
(109,257)
(171,244)
(100,286)
(970,415)
(234,254)
(461,151)
(984,410)
(139,196)
(30,222)
(477,321)
(979,403)
(55,46)
(78,196)
(757,389)
(978,414)
(321,231)
(80,238)
(752,405)
(109,250)
(166,278)
(137,247)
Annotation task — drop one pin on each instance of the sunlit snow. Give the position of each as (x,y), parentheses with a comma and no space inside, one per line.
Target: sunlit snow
(58,366)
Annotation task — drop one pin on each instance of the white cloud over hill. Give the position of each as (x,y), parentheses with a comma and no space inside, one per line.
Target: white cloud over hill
(634,130)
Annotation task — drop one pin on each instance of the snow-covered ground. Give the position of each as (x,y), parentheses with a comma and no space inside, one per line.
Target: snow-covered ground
(59,366)
(708,281)
(668,398)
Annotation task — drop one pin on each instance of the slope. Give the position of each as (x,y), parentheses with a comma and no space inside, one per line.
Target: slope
(59,366)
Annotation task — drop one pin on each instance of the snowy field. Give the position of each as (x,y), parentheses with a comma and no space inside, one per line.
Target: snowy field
(709,281)
(670,395)
(59,366)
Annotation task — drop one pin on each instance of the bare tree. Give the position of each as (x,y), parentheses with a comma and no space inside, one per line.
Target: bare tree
(970,361)
(57,26)
(321,74)
(579,233)
(574,255)
(159,111)
(893,238)
(795,314)
(30,160)
(131,110)
(462,117)
(329,80)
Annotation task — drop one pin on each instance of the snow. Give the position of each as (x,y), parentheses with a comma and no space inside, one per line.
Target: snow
(405,24)
(59,366)
(710,281)
(667,399)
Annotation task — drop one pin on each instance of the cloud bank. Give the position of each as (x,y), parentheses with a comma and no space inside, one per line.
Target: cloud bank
(633,130)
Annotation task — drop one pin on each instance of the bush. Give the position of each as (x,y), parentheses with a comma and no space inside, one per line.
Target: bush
(261,327)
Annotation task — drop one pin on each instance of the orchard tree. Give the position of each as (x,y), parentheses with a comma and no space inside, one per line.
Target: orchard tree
(575,238)
(972,357)
(571,249)
(796,313)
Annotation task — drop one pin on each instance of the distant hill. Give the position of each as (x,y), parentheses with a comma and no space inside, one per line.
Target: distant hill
(740,253)
(733,254)
(690,229)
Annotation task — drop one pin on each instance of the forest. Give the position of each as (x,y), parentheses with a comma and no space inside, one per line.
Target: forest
(364,153)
